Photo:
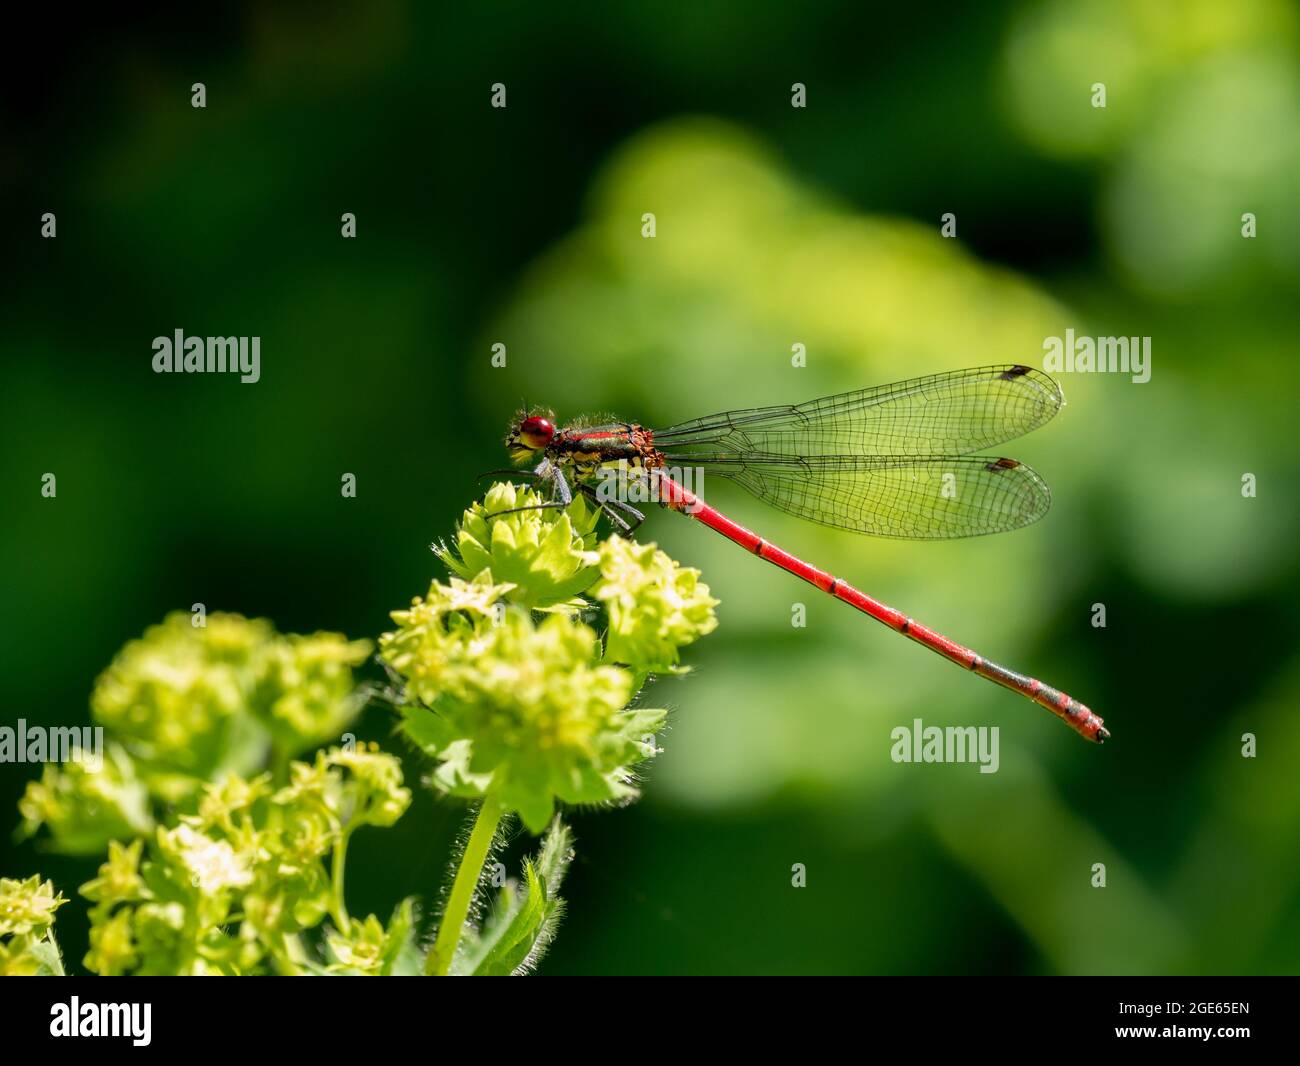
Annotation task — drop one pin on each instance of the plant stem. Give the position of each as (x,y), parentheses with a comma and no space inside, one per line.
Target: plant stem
(282,957)
(340,908)
(279,765)
(462,888)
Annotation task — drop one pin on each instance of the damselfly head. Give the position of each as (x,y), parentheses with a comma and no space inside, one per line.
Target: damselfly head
(536,432)
(531,431)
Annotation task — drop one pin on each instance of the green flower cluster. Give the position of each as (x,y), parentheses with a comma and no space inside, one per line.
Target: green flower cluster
(85,810)
(518,678)
(536,712)
(231,888)
(187,704)
(546,556)
(27,944)
(655,607)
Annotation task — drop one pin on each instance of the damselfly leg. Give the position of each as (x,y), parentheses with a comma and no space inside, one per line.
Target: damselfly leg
(549,472)
(612,509)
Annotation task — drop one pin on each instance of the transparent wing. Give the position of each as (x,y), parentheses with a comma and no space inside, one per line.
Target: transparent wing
(956,413)
(894,496)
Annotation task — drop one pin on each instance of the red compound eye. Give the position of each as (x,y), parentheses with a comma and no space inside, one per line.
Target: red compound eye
(536,432)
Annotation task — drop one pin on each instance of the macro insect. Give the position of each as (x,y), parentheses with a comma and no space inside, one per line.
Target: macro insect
(899,460)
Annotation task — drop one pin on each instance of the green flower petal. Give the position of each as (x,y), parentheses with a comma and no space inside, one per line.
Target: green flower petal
(544,554)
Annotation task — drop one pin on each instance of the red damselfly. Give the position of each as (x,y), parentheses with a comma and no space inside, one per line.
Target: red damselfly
(896,461)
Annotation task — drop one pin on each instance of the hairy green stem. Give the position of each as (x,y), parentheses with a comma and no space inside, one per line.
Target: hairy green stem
(340,908)
(462,888)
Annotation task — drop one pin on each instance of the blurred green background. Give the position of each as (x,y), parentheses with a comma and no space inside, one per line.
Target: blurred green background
(775,226)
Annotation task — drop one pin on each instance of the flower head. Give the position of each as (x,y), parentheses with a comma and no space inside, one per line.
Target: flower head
(119,879)
(27,907)
(212,865)
(368,949)
(437,632)
(538,711)
(372,788)
(306,694)
(84,810)
(172,695)
(221,891)
(193,703)
(544,553)
(527,709)
(112,945)
(655,606)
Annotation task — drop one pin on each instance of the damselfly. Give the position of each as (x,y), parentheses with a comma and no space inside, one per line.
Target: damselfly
(894,461)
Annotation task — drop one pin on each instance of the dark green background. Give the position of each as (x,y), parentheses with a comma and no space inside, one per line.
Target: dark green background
(775,225)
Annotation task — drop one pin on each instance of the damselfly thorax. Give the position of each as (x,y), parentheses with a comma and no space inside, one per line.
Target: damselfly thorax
(590,447)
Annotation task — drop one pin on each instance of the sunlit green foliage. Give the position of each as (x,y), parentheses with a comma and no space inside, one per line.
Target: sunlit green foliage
(219,865)
(538,712)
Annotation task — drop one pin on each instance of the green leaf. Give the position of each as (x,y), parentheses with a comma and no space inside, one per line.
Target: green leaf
(402,956)
(522,927)
(555,855)
(423,728)
(512,940)
(46,950)
(478,945)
